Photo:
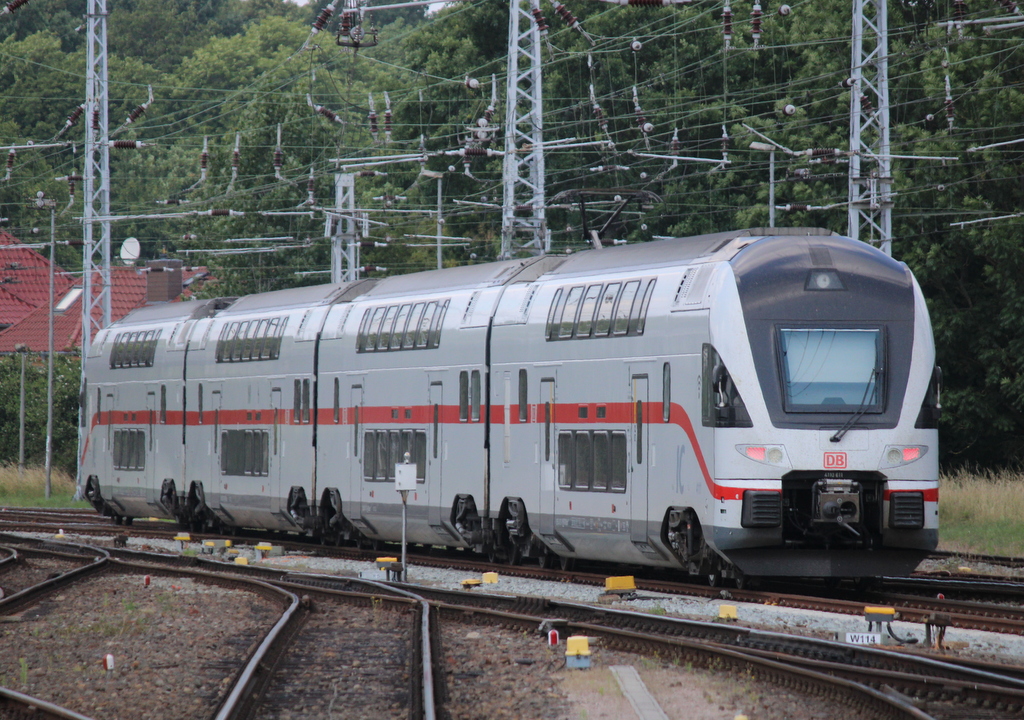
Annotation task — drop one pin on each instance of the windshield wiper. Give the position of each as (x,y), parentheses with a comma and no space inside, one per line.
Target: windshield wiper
(860,410)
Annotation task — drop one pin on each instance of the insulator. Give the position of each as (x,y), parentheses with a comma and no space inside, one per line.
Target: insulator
(387,121)
(172,201)
(647,127)
(929,117)
(278,159)
(346,24)
(373,268)
(220,212)
(755,24)
(785,10)
(959,9)
(128,144)
(373,123)
(311,184)
(371,173)
(96,120)
(819,152)
(727,24)
(135,114)
(204,160)
(674,145)
(865,104)
(475,152)
(236,159)
(12,6)
(542,22)
(636,46)
(846,83)
(10,158)
(1008,5)
(189,237)
(72,120)
(789,110)
(801,172)
(327,113)
(323,18)
(75,178)
(563,12)
(472,83)
(488,114)
(949,109)
(658,3)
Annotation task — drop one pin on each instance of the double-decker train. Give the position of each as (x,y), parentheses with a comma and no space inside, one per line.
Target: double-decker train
(750,403)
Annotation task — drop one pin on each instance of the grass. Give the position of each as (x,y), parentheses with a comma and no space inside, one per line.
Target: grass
(29,489)
(982,512)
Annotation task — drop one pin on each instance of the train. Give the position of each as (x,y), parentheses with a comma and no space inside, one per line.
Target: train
(750,403)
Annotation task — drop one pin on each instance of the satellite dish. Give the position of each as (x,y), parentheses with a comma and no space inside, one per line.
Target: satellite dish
(130,250)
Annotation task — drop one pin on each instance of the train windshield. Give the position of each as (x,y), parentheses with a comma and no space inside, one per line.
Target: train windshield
(831,370)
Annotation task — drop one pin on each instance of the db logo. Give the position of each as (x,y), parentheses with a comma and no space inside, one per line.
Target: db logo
(835,461)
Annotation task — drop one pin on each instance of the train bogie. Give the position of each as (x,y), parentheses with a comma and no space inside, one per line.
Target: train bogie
(742,403)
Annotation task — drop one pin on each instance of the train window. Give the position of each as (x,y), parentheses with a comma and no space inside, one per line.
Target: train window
(407,446)
(624,306)
(259,340)
(524,408)
(220,344)
(437,412)
(547,432)
(565,459)
(276,349)
(603,323)
(245,452)
(639,432)
(423,332)
(666,392)
(369,454)
(245,336)
(463,396)
(337,401)
(721,404)
(638,316)
(305,401)
(475,396)
(384,471)
(587,311)
(364,325)
(398,335)
(583,465)
(374,330)
(238,341)
(297,402)
(555,311)
(618,461)
(602,461)
(435,325)
(129,450)
(199,405)
(419,455)
(568,316)
(415,318)
(384,338)
(163,404)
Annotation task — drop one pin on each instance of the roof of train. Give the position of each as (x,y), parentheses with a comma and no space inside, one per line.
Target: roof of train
(671,251)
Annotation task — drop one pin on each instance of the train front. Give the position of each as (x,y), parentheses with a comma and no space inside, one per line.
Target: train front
(821,386)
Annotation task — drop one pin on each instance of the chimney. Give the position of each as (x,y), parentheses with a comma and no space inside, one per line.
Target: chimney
(163,283)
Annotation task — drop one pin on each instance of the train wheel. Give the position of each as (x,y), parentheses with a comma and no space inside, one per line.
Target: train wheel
(514,554)
(566,563)
(714,579)
(547,559)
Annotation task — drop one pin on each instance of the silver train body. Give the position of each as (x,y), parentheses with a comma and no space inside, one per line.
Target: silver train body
(760,402)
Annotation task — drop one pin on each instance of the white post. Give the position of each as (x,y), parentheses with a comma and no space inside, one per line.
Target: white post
(440,223)
(49,359)
(21,427)
(771,188)
(405,480)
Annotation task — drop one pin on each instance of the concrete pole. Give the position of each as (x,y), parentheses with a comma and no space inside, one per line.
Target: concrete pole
(21,416)
(49,362)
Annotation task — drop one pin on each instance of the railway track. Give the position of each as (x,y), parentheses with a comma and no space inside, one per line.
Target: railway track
(880,683)
(300,648)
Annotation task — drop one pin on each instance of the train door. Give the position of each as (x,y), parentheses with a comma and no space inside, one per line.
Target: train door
(435,455)
(640,444)
(547,453)
(213,413)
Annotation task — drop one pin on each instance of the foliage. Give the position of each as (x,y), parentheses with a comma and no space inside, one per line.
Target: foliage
(66,376)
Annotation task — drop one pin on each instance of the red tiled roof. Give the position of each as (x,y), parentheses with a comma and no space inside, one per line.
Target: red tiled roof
(25,279)
(128,291)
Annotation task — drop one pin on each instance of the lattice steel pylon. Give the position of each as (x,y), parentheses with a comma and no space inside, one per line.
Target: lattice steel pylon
(341,229)
(524,227)
(870,197)
(96,205)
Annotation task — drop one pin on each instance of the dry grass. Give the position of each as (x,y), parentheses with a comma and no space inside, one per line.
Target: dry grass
(982,512)
(30,488)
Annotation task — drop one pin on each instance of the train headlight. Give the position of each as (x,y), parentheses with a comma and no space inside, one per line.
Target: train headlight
(898,455)
(766,454)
